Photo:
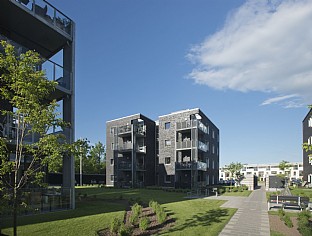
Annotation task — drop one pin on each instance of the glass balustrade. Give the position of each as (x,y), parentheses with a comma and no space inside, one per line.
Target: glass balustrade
(48,13)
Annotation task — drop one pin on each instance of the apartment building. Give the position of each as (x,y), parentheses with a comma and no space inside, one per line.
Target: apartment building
(180,150)
(307,138)
(188,150)
(262,171)
(130,151)
(37,25)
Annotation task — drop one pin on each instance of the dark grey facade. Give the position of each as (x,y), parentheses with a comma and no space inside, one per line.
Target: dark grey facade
(181,151)
(130,152)
(37,25)
(307,138)
(188,150)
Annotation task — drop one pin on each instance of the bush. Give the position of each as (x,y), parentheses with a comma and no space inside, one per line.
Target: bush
(124,230)
(115,225)
(133,218)
(304,226)
(235,189)
(288,221)
(161,215)
(144,223)
(221,190)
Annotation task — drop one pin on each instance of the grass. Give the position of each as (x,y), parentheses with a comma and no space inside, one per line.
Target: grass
(274,233)
(97,206)
(246,193)
(197,217)
(301,192)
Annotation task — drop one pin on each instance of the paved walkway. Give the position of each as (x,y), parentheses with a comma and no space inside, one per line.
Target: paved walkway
(251,218)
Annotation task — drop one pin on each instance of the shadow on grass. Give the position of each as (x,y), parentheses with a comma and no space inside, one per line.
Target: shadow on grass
(203,219)
(99,201)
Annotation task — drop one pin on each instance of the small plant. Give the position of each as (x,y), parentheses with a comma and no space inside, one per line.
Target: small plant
(304,226)
(133,218)
(124,230)
(221,190)
(115,225)
(281,214)
(161,215)
(144,223)
(288,221)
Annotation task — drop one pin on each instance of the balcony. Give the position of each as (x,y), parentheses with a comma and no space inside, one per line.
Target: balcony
(53,71)
(141,130)
(125,147)
(125,166)
(124,130)
(191,166)
(186,124)
(39,25)
(140,167)
(202,127)
(45,11)
(141,149)
(202,146)
(185,144)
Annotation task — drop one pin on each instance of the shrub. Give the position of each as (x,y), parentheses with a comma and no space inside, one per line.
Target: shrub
(144,223)
(161,215)
(115,225)
(221,190)
(304,226)
(281,214)
(235,189)
(288,221)
(124,230)
(136,209)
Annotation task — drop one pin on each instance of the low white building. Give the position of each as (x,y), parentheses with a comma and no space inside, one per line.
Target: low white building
(265,170)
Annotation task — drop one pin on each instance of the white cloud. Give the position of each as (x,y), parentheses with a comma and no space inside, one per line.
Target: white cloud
(263,46)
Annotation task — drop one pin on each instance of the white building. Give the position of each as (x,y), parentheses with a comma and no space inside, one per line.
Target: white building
(265,170)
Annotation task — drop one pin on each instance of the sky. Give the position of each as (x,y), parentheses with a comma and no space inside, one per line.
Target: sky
(246,64)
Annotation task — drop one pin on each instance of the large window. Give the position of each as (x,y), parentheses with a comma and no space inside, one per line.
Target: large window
(167,160)
(167,125)
(112,162)
(112,178)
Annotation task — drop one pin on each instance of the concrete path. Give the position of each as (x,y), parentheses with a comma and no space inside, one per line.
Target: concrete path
(251,217)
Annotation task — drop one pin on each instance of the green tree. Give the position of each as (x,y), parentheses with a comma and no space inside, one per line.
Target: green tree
(284,166)
(27,90)
(98,158)
(234,169)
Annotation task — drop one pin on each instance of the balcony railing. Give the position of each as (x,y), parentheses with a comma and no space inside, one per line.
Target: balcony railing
(125,146)
(189,165)
(125,166)
(124,129)
(202,127)
(185,144)
(141,130)
(202,146)
(49,14)
(141,149)
(186,124)
(53,71)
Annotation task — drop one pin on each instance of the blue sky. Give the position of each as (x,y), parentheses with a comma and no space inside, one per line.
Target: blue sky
(246,64)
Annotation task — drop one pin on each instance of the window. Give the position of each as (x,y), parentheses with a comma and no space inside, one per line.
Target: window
(112,130)
(213,180)
(213,166)
(273,172)
(113,146)
(167,125)
(208,163)
(167,179)
(213,134)
(112,178)
(310,140)
(112,162)
(310,122)
(167,160)
(167,142)
(213,149)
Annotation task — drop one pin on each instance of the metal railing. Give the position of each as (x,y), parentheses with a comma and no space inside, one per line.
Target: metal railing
(125,166)
(49,14)
(125,146)
(185,144)
(202,146)
(191,165)
(53,71)
(186,124)
(124,129)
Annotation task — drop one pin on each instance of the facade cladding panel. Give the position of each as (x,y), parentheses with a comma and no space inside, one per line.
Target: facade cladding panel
(182,151)
(307,138)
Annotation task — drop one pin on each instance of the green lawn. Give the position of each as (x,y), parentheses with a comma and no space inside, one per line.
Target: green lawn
(246,193)
(302,192)
(97,206)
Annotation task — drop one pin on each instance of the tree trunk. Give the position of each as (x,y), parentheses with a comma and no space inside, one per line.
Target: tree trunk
(14,211)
